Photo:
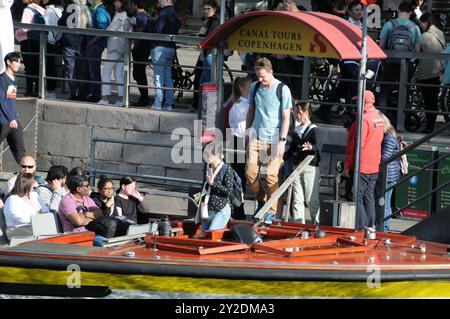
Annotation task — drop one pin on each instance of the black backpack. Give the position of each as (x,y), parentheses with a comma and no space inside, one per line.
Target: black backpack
(401,38)
(237,195)
(37,19)
(108,227)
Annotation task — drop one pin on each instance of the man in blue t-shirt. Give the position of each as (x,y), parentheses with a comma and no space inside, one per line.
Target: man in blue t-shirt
(270,103)
(9,119)
(391,67)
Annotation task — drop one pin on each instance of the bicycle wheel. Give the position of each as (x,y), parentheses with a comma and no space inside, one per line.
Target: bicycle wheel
(415,120)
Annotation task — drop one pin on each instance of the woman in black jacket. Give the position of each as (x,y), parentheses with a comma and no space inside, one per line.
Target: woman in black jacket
(104,198)
(218,188)
(304,143)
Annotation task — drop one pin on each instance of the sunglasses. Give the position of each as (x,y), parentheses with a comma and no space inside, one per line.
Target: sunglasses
(27,166)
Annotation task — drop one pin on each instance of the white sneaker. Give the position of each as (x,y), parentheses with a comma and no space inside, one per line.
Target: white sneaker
(118,103)
(50,95)
(103,102)
(168,108)
(154,107)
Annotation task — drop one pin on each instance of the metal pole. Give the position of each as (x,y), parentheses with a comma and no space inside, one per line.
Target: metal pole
(305,78)
(219,66)
(402,95)
(126,73)
(42,54)
(359,123)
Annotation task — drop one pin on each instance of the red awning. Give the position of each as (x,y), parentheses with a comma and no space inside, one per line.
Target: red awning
(343,38)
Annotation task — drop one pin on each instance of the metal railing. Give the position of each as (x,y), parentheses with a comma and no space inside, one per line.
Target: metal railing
(93,170)
(308,71)
(381,202)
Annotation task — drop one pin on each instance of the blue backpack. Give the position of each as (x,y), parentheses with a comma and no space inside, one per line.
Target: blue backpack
(37,19)
(237,195)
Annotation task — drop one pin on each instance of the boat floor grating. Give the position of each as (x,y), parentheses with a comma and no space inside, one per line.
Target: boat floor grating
(42,247)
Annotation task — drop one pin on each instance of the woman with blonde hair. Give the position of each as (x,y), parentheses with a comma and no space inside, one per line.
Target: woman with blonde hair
(389,147)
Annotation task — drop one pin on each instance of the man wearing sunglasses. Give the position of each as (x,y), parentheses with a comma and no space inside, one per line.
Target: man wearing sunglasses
(10,127)
(26,165)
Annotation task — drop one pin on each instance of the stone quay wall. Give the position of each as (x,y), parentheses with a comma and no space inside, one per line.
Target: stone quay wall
(65,130)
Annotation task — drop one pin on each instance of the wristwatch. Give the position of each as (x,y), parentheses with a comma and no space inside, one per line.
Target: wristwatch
(282,139)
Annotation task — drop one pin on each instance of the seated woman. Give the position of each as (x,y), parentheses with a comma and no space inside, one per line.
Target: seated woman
(77,209)
(218,188)
(22,203)
(54,189)
(129,202)
(104,198)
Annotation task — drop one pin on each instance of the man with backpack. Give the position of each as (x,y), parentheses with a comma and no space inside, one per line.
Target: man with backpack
(269,112)
(399,35)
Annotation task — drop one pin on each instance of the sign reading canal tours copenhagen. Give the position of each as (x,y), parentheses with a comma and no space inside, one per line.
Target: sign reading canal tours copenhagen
(278,35)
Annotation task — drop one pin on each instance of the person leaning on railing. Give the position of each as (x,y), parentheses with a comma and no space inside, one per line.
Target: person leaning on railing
(94,49)
(163,54)
(116,51)
(394,37)
(29,44)
(141,51)
(429,70)
(53,12)
(71,45)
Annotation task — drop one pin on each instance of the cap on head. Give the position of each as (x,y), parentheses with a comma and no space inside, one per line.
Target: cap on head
(369,97)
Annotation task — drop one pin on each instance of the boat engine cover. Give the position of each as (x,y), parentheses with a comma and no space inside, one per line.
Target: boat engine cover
(245,234)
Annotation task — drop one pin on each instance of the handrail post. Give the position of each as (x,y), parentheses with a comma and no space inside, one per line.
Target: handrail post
(380,195)
(42,64)
(92,168)
(402,95)
(126,73)
(305,78)
(281,189)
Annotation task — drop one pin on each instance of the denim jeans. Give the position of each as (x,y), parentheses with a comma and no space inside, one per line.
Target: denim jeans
(217,220)
(95,51)
(162,59)
(388,209)
(206,73)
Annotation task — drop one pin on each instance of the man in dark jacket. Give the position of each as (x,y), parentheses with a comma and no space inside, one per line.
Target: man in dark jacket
(371,139)
(10,127)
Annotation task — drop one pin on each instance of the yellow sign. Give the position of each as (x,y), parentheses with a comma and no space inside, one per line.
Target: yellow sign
(281,35)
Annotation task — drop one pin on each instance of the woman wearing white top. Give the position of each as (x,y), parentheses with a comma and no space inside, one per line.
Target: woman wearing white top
(53,11)
(22,203)
(116,51)
(237,120)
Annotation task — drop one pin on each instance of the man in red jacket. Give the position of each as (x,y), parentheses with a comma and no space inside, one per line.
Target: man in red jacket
(371,139)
